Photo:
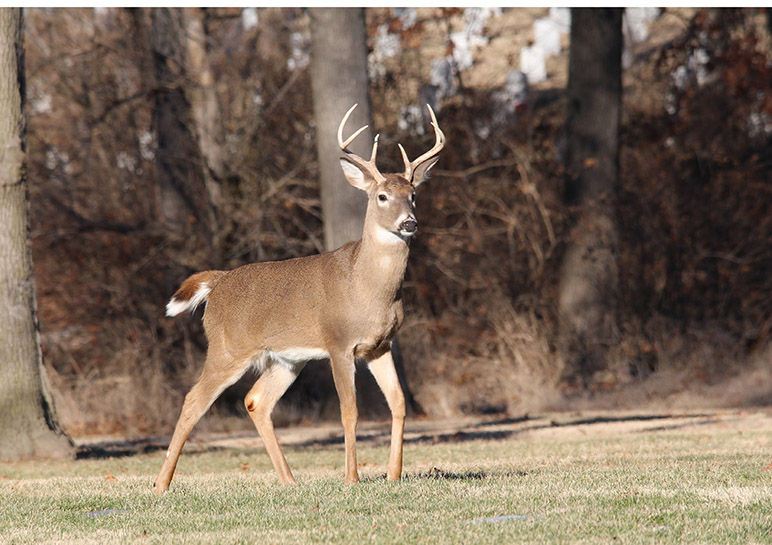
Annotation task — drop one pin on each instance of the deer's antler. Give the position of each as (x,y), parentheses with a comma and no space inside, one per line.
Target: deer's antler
(412,166)
(366,166)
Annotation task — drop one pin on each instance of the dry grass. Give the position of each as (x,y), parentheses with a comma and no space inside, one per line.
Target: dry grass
(696,478)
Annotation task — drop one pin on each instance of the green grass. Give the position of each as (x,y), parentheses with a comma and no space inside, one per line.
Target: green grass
(633,486)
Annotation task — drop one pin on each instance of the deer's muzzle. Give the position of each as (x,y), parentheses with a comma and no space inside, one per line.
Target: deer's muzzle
(409,226)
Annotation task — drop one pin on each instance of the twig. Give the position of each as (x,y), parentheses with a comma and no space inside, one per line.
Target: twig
(530,190)
(475,169)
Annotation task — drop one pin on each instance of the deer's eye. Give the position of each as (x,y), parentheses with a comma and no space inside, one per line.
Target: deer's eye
(382,197)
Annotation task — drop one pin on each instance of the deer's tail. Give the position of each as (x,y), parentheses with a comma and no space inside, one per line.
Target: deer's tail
(193,291)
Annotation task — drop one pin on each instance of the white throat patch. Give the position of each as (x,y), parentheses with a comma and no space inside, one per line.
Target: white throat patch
(384,236)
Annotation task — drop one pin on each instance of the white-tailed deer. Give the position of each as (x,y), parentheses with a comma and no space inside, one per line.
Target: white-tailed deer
(340,305)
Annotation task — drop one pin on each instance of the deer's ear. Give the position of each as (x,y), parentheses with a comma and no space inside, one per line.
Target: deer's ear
(356,176)
(421,172)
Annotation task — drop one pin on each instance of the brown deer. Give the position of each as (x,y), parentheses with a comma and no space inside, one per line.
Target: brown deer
(340,305)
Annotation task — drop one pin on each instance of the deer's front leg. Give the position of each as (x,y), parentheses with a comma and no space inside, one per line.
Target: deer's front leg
(343,375)
(385,375)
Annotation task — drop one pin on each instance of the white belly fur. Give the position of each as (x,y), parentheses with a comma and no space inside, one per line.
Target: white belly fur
(295,358)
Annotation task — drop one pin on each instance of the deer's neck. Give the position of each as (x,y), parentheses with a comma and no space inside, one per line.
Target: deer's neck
(381,262)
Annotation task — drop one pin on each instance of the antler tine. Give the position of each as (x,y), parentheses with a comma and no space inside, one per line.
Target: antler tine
(368,166)
(439,143)
(439,140)
(408,167)
(375,147)
(343,145)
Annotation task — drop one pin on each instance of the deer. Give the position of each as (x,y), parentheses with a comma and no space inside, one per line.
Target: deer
(344,305)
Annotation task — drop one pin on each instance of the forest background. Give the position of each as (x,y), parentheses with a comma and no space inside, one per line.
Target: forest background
(105,90)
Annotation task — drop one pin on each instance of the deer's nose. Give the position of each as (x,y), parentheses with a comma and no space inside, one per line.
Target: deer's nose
(410,225)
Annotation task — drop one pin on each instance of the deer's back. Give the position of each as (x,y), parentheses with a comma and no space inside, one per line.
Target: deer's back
(276,305)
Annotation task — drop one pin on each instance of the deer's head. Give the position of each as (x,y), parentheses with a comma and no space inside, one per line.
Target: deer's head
(391,197)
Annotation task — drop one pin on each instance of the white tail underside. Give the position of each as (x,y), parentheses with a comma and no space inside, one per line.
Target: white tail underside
(175,307)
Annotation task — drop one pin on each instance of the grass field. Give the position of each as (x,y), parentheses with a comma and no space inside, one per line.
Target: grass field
(626,478)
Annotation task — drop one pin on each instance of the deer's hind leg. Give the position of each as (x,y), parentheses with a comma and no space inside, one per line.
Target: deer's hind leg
(217,375)
(261,400)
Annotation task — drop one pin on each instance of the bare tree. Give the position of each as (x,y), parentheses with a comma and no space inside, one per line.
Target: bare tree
(28,427)
(338,80)
(184,194)
(589,276)
(203,99)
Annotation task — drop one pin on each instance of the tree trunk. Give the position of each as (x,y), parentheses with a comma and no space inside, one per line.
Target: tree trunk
(184,202)
(589,275)
(338,81)
(28,426)
(203,101)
